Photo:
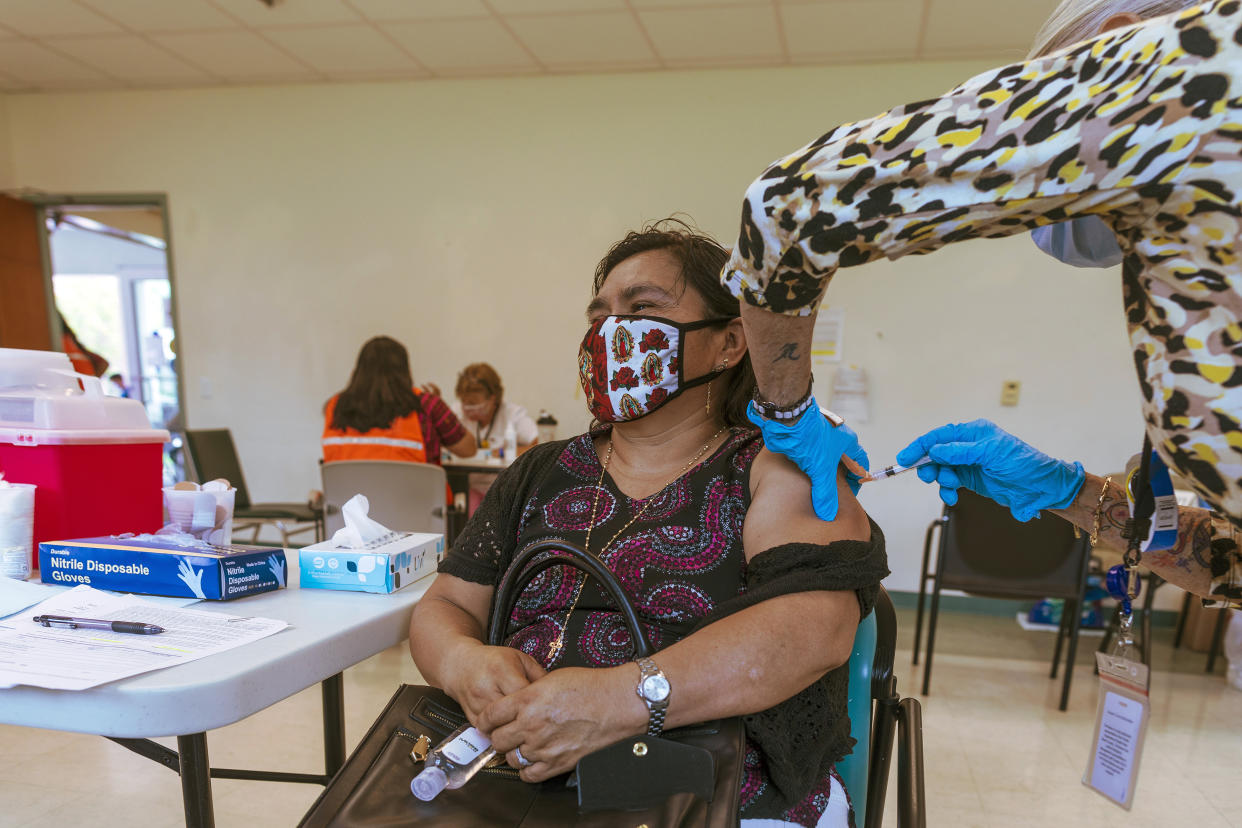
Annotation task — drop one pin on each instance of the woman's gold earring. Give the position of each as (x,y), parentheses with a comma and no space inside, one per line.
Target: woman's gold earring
(709,399)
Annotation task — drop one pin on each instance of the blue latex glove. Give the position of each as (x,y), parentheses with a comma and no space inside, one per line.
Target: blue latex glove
(816,446)
(990,461)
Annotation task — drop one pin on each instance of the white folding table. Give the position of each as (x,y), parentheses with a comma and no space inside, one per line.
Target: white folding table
(329,631)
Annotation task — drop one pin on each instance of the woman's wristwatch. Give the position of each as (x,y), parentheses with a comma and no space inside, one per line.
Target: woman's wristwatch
(654,689)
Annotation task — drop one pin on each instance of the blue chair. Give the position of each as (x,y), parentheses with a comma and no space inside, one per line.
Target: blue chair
(876,713)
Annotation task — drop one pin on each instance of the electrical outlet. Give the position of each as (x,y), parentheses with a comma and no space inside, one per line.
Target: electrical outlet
(204,388)
(1009,392)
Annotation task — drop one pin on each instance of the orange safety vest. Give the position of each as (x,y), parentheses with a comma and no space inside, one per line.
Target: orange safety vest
(402,440)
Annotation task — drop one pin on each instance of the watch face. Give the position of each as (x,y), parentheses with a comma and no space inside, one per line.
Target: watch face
(655,688)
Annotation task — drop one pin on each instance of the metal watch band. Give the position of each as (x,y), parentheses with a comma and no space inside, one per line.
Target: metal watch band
(655,710)
(655,724)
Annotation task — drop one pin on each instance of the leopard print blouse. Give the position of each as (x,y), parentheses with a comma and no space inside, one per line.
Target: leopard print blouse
(1141,126)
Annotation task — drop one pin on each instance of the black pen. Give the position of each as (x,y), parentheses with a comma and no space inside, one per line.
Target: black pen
(70,623)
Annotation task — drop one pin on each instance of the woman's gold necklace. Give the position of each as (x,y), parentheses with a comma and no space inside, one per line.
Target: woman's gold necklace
(560,639)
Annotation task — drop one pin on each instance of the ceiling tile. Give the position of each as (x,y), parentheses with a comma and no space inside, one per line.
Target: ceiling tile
(451,46)
(847,29)
(38,66)
(344,50)
(288,13)
(53,17)
(669,4)
(235,55)
(954,30)
(419,9)
(561,40)
(162,15)
(508,7)
(130,58)
(714,35)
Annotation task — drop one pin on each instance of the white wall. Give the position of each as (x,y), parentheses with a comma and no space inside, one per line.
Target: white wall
(465,218)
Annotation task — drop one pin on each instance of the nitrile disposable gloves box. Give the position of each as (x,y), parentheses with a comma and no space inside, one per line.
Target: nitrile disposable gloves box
(163,565)
(386,564)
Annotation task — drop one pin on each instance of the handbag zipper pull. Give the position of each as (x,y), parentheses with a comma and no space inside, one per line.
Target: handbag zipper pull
(421,746)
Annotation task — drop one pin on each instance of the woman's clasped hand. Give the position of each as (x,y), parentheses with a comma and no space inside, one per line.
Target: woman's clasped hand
(562,717)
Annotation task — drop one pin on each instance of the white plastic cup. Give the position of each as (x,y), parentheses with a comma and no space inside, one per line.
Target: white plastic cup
(16,529)
(207,516)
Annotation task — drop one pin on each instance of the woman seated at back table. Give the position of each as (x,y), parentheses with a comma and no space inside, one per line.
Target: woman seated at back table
(751,601)
(380,415)
(481,401)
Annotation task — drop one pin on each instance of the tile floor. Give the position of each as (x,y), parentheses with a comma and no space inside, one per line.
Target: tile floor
(998,752)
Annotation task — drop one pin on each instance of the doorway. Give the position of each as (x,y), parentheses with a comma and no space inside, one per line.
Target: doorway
(107,260)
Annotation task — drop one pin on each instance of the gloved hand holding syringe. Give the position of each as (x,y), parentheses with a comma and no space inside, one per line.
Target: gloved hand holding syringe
(894,470)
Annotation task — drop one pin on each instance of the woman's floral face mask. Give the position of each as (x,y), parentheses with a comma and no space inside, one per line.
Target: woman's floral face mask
(631,365)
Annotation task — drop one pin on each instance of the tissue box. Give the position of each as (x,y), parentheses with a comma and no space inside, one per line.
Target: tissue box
(157,565)
(385,565)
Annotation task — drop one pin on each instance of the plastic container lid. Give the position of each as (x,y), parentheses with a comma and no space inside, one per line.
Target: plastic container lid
(43,402)
(428,784)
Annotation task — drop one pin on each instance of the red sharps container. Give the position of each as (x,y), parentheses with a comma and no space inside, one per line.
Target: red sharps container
(96,460)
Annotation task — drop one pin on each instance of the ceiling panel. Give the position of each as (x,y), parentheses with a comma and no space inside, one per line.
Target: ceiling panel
(850,29)
(953,28)
(131,59)
(40,67)
(288,13)
(546,6)
(52,17)
(345,50)
(464,46)
(740,34)
(566,40)
(162,15)
(680,4)
(244,41)
(237,55)
(419,9)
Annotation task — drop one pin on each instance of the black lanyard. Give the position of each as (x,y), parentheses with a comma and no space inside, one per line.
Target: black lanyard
(1138,527)
(491,424)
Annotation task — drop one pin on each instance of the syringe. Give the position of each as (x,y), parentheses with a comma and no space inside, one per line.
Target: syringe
(894,470)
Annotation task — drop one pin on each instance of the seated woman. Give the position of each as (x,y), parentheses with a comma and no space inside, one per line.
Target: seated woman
(481,400)
(381,415)
(751,601)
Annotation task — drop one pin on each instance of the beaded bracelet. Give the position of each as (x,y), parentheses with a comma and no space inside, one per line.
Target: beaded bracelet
(772,411)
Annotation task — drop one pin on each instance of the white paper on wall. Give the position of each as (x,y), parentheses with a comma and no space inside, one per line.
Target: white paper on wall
(849,395)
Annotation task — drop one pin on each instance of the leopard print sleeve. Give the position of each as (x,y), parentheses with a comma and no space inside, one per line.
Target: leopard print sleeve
(1226,563)
(1103,127)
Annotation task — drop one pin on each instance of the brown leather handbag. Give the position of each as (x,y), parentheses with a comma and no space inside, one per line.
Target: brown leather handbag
(689,776)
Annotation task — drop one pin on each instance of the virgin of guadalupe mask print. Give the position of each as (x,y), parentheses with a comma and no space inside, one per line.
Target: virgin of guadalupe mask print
(631,365)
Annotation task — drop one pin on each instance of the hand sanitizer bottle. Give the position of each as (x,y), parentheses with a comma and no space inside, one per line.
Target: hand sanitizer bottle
(510,443)
(452,763)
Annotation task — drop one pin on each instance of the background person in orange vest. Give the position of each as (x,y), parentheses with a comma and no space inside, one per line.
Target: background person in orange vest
(84,360)
(380,415)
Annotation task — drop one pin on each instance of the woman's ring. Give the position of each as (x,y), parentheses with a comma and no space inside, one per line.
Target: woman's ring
(521,760)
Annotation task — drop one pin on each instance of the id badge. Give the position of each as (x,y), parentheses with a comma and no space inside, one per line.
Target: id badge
(1120,728)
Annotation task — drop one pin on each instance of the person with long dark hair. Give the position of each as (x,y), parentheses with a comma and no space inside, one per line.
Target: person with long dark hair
(381,415)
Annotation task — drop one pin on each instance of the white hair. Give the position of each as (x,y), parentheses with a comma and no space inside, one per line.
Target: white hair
(1076,20)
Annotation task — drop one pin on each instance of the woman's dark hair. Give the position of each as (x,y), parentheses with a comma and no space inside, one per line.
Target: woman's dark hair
(479,376)
(702,259)
(380,390)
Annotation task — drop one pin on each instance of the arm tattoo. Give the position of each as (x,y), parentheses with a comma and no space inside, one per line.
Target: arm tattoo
(788,351)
